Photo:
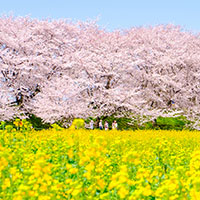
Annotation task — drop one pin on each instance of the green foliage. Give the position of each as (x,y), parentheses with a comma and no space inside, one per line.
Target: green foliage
(64,122)
(87,121)
(163,123)
(37,122)
(175,123)
(124,123)
(148,126)
(2,125)
(168,123)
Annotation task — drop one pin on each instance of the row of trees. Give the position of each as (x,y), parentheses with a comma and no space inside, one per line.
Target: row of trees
(59,69)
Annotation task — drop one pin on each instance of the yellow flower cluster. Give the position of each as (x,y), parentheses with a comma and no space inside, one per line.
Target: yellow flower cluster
(94,164)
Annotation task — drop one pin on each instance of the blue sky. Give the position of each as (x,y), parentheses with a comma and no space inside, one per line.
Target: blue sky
(112,14)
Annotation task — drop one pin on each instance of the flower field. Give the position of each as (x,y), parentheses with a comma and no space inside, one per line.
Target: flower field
(83,164)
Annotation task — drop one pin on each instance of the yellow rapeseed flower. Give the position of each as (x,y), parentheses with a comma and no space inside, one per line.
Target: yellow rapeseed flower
(122,192)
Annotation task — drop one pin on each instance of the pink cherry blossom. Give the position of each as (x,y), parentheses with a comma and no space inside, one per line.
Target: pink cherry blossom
(59,69)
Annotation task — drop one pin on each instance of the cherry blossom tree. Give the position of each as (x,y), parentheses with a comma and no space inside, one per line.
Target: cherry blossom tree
(59,69)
